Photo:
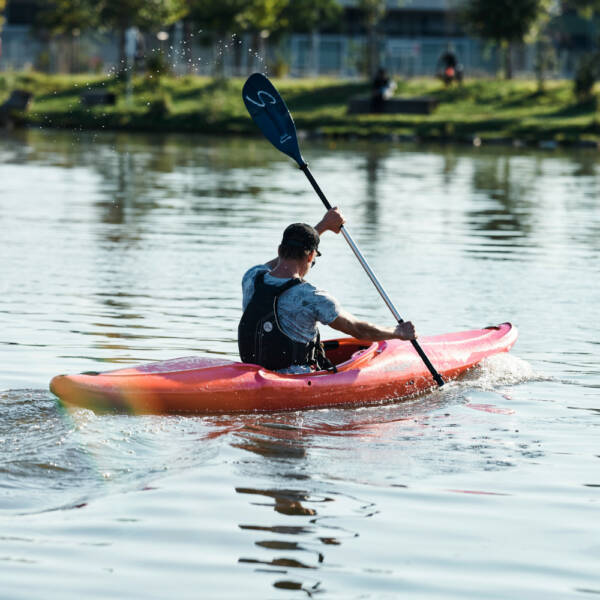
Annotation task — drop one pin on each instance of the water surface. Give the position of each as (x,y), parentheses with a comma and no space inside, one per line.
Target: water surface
(120,249)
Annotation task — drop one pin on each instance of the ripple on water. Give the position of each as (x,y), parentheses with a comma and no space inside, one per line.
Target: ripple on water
(52,458)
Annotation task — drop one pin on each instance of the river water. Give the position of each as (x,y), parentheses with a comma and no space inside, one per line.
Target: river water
(120,249)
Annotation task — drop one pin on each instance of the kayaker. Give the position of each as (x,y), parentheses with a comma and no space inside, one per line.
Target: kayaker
(278,329)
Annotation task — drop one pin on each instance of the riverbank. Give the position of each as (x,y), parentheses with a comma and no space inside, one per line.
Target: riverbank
(479,111)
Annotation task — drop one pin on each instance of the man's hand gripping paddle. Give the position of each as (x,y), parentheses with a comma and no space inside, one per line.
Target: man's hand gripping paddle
(269,112)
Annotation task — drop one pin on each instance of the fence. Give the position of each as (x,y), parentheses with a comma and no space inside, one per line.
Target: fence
(299,55)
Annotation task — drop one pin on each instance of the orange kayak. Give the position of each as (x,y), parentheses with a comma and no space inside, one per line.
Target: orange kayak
(366,373)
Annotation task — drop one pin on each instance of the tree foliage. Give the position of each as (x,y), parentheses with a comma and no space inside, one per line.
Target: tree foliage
(2,7)
(586,8)
(587,71)
(65,16)
(504,21)
(307,15)
(262,15)
(226,16)
(219,16)
(145,14)
(373,12)
(68,17)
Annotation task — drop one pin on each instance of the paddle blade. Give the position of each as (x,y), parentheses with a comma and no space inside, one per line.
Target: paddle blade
(269,112)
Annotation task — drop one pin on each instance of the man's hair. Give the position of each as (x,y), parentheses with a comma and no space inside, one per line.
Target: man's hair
(292,253)
(299,240)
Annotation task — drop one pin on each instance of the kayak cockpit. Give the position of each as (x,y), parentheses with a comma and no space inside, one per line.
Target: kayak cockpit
(347,353)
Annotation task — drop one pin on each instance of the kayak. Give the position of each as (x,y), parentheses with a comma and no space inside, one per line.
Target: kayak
(366,373)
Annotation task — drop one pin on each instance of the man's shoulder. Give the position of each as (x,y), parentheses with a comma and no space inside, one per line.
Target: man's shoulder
(321,304)
(252,272)
(309,291)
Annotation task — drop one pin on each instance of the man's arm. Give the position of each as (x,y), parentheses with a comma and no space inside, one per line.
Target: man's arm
(362,330)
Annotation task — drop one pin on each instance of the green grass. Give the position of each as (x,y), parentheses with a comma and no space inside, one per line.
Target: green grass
(483,108)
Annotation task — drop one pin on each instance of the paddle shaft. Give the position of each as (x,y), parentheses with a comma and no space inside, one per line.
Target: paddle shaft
(372,277)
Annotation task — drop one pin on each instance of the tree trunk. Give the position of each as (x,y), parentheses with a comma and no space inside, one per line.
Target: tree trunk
(63,55)
(507,52)
(188,52)
(122,66)
(314,52)
(219,69)
(237,55)
(372,54)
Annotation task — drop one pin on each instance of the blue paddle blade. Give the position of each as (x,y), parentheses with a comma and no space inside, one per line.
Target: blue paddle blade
(269,112)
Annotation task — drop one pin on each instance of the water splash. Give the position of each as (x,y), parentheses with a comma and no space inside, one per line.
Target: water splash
(500,370)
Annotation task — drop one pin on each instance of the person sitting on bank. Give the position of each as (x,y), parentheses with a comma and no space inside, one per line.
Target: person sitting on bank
(449,68)
(383,89)
(278,329)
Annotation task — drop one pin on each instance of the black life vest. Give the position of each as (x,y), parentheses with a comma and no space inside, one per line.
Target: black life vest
(261,340)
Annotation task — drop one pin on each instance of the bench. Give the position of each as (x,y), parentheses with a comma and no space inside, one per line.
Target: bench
(423,105)
(98,99)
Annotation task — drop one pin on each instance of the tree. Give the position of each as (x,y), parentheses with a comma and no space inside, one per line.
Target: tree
(308,15)
(2,6)
(219,17)
(273,18)
(505,22)
(65,17)
(373,11)
(145,14)
(585,8)
(70,17)
(587,70)
(262,17)
(65,20)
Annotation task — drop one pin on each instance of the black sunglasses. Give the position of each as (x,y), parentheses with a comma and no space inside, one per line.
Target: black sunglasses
(315,261)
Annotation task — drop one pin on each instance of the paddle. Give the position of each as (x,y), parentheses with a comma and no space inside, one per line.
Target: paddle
(269,112)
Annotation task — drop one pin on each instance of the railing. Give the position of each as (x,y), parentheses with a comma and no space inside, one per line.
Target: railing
(301,55)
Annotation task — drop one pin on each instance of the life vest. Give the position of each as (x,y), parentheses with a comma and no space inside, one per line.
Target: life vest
(261,340)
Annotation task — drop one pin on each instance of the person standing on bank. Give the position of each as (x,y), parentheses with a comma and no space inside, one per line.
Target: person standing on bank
(278,329)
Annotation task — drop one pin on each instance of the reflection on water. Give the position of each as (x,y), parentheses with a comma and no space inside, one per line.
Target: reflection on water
(130,248)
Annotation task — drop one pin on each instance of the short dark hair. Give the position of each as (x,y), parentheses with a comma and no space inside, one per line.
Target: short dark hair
(299,240)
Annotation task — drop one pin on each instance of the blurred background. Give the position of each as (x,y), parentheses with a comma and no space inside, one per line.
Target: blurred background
(343,38)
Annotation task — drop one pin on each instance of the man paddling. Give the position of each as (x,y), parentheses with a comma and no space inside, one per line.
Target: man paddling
(278,329)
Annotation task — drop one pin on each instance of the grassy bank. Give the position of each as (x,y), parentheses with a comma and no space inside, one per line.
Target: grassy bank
(488,109)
